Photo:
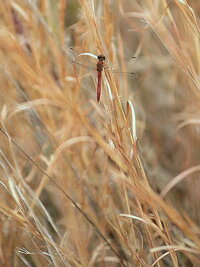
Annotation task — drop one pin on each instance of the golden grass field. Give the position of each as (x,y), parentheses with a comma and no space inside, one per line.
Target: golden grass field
(114,183)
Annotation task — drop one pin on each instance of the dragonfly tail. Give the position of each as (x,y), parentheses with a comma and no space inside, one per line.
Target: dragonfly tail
(99,86)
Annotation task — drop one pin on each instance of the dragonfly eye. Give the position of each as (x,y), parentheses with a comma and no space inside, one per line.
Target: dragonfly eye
(101,57)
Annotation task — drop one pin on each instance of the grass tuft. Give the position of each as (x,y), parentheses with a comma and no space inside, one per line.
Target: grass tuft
(114,183)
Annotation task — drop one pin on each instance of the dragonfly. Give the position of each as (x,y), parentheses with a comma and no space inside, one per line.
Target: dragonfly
(100,66)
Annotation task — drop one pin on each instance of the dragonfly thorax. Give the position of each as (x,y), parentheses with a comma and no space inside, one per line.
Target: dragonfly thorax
(101,57)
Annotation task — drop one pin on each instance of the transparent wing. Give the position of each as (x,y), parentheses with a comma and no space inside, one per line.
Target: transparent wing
(81,58)
(82,63)
(126,74)
(115,71)
(121,68)
(90,69)
(120,63)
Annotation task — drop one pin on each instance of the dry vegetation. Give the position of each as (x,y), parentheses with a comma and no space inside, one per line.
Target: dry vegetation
(80,186)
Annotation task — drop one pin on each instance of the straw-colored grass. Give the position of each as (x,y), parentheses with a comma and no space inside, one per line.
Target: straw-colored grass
(114,183)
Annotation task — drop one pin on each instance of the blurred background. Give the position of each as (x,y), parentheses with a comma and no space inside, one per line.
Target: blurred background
(48,107)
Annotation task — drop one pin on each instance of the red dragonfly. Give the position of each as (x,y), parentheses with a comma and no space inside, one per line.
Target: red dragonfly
(99,68)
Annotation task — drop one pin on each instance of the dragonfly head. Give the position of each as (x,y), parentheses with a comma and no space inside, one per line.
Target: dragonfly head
(101,57)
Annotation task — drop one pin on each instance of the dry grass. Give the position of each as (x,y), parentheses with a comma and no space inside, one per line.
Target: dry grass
(79,185)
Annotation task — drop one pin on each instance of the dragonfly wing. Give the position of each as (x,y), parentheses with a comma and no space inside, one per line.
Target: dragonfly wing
(119,63)
(126,75)
(87,68)
(81,57)
(118,68)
